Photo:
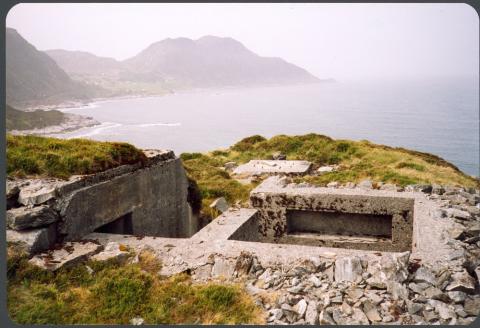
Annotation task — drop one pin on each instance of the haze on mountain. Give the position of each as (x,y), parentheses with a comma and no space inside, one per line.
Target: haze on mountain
(32,77)
(207,62)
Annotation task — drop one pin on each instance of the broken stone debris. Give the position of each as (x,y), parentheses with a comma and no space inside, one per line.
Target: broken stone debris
(220,204)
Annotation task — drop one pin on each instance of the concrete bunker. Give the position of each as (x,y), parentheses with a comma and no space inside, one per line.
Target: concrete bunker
(314,216)
(152,198)
(327,224)
(121,226)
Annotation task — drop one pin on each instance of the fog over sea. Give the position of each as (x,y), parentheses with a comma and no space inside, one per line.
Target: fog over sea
(439,116)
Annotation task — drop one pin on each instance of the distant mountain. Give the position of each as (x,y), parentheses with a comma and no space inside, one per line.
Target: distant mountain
(181,63)
(81,62)
(212,61)
(32,77)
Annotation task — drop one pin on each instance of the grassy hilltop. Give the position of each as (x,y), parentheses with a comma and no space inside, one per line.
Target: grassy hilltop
(32,156)
(358,160)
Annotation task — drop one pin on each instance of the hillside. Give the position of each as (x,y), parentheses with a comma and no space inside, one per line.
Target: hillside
(181,63)
(21,120)
(212,61)
(84,63)
(357,160)
(32,77)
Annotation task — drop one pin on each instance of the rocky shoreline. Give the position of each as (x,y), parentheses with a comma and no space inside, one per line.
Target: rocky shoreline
(71,122)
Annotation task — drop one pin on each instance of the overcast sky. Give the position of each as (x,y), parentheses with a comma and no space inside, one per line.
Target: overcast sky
(343,41)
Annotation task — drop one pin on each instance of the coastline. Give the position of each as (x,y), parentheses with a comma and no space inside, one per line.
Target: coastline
(72,122)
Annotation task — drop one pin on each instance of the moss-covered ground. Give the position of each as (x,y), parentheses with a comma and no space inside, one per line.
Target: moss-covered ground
(33,156)
(358,160)
(116,293)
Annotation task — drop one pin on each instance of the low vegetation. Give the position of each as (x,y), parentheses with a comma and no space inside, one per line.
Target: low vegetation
(357,160)
(115,294)
(29,156)
(21,120)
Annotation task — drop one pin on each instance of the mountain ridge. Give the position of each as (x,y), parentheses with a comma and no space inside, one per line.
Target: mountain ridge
(208,61)
(34,77)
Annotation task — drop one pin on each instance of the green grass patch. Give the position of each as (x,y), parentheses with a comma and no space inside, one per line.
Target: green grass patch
(358,160)
(39,156)
(114,294)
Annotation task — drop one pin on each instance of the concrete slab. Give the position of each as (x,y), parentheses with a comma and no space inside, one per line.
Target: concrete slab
(273,167)
(347,218)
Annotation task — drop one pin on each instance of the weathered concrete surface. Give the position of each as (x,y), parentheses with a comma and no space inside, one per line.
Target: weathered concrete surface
(298,284)
(156,197)
(38,192)
(25,218)
(280,206)
(34,240)
(272,167)
(153,195)
(69,254)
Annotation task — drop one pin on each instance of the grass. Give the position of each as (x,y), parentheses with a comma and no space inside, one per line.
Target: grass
(33,156)
(358,160)
(21,120)
(115,293)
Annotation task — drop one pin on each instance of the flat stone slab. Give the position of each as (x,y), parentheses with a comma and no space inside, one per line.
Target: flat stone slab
(69,254)
(25,217)
(33,240)
(259,167)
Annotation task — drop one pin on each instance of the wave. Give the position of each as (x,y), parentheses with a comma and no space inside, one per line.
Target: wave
(146,125)
(97,130)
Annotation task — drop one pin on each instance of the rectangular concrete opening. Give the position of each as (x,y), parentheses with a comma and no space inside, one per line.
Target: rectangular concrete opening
(333,224)
(121,226)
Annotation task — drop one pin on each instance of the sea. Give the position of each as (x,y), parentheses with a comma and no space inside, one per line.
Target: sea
(438,116)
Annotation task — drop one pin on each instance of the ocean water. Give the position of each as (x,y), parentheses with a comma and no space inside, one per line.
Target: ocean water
(436,116)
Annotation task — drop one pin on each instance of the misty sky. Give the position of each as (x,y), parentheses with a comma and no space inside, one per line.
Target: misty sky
(343,41)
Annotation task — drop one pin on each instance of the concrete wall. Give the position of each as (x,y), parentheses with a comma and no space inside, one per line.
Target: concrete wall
(274,202)
(156,197)
(152,198)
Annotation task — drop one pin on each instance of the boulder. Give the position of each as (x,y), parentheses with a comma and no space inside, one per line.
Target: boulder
(33,240)
(278,156)
(389,187)
(311,314)
(326,169)
(423,274)
(462,281)
(70,254)
(137,321)
(458,214)
(444,310)
(472,306)
(457,297)
(230,166)
(325,318)
(398,291)
(243,264)
(365,184)
(301,308)
(333,184)
(371,312)
(359,317)
(437,189)
(11,192)
(220,204)
(435,294)
(112,251)
(348,269)
(22,218)
(37,192)
(391,267)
